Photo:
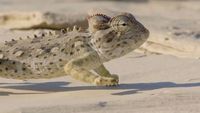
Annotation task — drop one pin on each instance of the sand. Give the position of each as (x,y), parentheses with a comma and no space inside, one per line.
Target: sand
(153,84)
(160,77)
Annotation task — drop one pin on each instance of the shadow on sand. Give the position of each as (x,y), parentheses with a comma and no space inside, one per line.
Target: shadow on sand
(130,88)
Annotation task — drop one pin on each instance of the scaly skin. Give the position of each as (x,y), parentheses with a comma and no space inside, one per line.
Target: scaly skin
(78,52)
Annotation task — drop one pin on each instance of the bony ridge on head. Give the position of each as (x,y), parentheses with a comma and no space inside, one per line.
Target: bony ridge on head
(98,22)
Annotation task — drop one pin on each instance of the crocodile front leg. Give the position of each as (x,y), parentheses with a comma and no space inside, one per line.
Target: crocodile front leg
(79,69)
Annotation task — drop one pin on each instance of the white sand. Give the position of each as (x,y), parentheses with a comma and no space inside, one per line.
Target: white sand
(153,84)
(148,84)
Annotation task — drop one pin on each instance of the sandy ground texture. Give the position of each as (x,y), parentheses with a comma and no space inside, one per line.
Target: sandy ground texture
(151,81)
(153,84)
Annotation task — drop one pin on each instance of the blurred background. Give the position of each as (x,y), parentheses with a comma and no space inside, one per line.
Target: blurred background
(155,78)
(174,24)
